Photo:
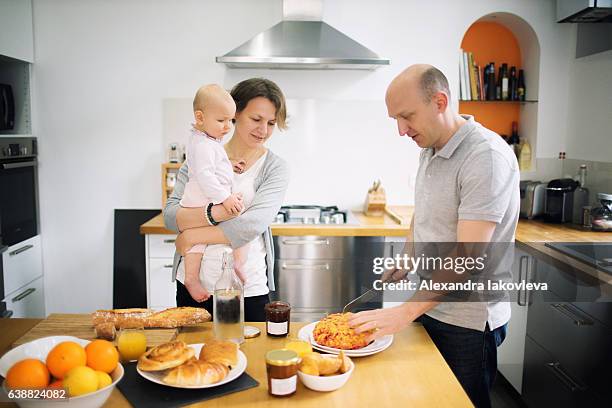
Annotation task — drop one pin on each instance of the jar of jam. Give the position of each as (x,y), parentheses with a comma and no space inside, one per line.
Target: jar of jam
(277,318)
(282,366)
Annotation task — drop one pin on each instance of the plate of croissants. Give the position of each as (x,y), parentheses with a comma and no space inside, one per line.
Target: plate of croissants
(203,365)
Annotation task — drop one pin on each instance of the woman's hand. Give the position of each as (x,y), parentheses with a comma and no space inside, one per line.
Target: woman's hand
(184,242)
(238,165)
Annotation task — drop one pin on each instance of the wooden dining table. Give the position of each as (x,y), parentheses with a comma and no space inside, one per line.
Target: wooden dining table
(410,373)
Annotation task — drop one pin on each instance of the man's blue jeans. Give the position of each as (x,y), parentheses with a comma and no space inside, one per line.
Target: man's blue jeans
(471,355)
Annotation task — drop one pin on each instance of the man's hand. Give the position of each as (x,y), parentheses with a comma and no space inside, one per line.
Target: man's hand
(382,321)
(394,275)
(233,204)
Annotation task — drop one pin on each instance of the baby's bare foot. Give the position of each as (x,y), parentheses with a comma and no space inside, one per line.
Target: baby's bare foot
(197,291)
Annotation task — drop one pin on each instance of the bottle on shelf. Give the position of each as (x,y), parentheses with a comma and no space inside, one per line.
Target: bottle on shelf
(498,94)
(491,86)
(513,88)
(581,196)
(514,140)
(520,91)
(525,156)
(504,82)
(228,303)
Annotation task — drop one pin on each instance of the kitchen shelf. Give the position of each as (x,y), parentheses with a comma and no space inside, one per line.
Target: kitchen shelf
(520,49)
(167,168)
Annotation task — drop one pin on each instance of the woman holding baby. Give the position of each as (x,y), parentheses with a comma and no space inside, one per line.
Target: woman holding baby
(260,180)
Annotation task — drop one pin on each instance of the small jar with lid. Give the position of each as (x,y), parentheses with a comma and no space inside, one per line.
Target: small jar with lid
(277,318)
(282,367)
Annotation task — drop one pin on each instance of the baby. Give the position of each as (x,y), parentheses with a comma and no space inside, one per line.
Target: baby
(210,175)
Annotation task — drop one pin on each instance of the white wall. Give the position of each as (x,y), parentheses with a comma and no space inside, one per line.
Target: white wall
(111,76)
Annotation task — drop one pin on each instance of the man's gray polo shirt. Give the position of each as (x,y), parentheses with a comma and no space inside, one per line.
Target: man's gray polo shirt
(475,176)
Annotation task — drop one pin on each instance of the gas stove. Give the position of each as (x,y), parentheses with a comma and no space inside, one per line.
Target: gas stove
(312,214)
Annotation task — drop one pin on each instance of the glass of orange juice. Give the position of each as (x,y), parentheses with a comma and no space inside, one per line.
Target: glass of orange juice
(131,343)
(301,347)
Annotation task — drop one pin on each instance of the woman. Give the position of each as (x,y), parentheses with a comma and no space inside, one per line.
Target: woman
(262,178)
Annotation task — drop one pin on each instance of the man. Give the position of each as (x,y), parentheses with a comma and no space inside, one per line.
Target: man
(467,190)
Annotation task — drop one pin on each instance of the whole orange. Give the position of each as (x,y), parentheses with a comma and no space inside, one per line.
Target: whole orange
(102,356)
(28,373)
(65,356)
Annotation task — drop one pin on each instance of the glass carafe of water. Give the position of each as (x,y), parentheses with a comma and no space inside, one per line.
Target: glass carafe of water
(228,303)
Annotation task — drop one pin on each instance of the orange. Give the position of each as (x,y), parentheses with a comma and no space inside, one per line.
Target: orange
(28,373)
(65,356)
(58,384)
(102,356)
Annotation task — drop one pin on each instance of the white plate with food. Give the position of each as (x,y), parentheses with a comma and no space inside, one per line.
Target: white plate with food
(162,376)
(378,345)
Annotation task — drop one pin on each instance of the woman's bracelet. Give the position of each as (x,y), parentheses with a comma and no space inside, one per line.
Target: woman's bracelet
(208,214)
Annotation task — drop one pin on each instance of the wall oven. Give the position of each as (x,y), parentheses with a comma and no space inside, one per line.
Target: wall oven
(18,189)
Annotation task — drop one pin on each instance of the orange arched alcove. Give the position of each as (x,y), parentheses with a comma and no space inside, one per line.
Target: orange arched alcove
(492,42)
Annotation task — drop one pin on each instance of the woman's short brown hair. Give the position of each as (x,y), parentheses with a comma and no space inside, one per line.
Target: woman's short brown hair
(252,88)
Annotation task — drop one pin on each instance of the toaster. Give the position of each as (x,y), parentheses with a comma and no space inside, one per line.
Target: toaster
(533,196)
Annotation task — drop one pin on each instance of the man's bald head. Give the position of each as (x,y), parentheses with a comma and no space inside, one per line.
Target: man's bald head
(428,79)
(211,95)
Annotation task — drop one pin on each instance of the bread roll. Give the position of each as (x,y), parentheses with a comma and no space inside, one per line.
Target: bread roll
(196,372)
(164,356)
(224,352)
(106,331)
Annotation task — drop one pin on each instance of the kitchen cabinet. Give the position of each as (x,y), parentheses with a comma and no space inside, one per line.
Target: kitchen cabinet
(16,30)
(22,263)
(161,290)
(511,353)
(567,354)
(27,301)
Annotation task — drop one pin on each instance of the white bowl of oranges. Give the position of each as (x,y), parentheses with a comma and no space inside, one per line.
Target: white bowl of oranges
(85,372)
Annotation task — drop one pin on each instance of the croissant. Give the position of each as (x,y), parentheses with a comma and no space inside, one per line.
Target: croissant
(224,352)
(196,372)
(164,356)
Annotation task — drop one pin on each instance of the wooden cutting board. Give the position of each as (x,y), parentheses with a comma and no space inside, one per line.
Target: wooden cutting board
(79,325)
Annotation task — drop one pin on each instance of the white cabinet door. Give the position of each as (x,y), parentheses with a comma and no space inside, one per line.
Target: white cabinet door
(511,354)
(161,246)
(28,301)
(161,291)
(16,30)
(22,263)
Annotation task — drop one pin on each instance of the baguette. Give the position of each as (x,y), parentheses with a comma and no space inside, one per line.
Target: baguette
(135,318)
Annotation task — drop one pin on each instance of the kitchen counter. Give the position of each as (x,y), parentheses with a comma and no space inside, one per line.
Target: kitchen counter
(411,372)
(530,234)
(366,227)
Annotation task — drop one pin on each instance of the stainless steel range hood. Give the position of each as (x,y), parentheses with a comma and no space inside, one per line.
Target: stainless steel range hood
(584,11)
(302,41)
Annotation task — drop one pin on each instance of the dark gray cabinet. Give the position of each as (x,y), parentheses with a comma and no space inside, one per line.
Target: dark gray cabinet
(567,350)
